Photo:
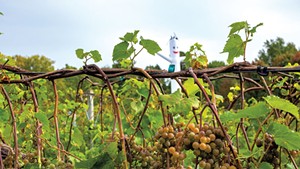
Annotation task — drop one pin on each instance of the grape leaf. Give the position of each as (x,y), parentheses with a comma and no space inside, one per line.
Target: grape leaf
(185,105)
(191,87)
(79,53)
(121,51)
(155,119)
(202,60)
(77,138)
(265,165)
(230,96)
(4,116)
(282,104)
(151,46)
(7,133)
(101,161)
(42,118)
(284,136)
(131,37)
(96,55)
(177,104)
(112,149)
(234,46)
(237,26)
(297,86)
(170,99)
(228,116)
(137,106)
(256,111)
(253,30)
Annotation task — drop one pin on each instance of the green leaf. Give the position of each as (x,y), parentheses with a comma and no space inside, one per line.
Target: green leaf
(112,149)
(101,161)
(170,99)
(177,104)
(96,55)
(297,86)
(137,106)
(253,112)
(154,119)
(235,47)
(265,165)
(121,52)
(7,133)
(131,37)
(77,138)
(237,26)
(256,111)
(126,63)
(228,116)
(42,118)
(1,13)
(104,162)
(191,87)
(185,105)
(151,46)
(282,104)
(230,96)
(79,53)
(143,91)
(4,116)
(284,136)
(253,30)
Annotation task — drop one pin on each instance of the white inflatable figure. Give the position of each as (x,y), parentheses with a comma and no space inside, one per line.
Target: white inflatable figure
(174,61)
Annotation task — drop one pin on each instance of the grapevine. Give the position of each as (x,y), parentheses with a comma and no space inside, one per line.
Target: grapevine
(137,125)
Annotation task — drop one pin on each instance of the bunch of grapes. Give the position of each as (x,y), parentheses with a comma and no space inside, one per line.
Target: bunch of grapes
(140,156)
(171,144)
(271,154)
(208,145)
(168,146)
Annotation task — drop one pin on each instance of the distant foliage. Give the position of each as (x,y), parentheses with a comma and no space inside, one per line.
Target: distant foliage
(277,53)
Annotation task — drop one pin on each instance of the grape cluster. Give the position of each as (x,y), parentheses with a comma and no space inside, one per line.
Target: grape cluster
(208,145)
(141,157)
(167,144)
(271,154)
(31,158)
(171,144)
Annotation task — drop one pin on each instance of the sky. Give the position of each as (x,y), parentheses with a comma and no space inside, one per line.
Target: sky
(56,28)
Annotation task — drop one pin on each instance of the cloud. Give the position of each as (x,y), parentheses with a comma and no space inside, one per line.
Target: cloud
(57,28)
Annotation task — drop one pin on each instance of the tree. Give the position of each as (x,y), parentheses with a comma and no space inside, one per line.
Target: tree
(276,53)
(215,64)
(35,63)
